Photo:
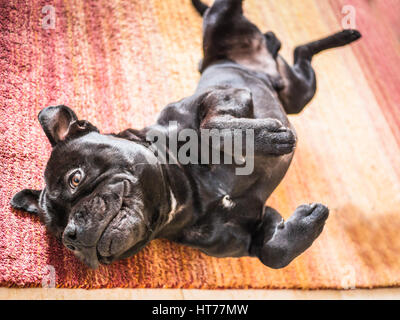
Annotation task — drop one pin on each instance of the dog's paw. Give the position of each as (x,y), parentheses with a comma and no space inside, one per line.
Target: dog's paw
(348,36)
(294,236)
(278,139)
(310,219)
(302,228)
(273,43)
(283,142)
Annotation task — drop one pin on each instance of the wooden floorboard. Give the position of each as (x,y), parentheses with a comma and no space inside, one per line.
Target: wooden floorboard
(178,294)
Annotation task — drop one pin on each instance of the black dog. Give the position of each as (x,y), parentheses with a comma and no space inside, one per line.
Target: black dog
(106,200)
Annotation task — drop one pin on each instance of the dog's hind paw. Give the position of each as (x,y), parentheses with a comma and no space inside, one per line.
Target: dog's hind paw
(348,36)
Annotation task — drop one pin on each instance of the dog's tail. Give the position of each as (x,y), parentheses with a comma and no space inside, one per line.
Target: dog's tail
(200,6)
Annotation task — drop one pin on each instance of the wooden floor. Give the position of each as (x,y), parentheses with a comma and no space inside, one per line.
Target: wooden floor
(177,294)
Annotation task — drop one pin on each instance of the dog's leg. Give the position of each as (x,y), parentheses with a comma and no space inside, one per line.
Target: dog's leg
(227,33)
(276,243)
(223,7)
(273,43)
(220,27)
(230,109)
(299,80)
(200,7)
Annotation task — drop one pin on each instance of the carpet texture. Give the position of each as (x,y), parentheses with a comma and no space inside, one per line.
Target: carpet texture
(117,63)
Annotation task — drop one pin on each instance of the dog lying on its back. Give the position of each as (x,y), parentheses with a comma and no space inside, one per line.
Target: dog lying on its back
(105,207)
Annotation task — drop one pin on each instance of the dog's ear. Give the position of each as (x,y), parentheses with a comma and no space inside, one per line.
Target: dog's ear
(60,123)
(55,121)
(27,200)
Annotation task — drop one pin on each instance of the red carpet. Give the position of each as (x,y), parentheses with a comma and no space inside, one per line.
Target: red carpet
(117,63)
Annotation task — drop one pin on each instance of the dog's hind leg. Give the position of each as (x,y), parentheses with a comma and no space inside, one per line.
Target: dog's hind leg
(228,34)
(276,243)
(220,6)
(273,43)
(299,82)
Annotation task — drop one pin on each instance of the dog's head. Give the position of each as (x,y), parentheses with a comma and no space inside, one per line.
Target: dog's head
(102,195)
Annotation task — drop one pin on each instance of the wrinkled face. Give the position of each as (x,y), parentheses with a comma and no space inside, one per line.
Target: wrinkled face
(94,197)
(101,196)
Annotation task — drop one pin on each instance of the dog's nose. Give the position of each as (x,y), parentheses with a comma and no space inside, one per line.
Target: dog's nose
(70,234)
(69,237)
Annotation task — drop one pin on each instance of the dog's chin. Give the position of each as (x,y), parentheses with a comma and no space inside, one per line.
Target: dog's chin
(106,260)
(89,257)
(106,255)
(92,257)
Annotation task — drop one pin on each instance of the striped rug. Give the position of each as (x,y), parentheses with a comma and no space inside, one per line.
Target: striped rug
(117,63)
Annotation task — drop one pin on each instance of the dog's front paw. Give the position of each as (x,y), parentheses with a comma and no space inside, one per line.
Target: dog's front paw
(278,140)
(283,142)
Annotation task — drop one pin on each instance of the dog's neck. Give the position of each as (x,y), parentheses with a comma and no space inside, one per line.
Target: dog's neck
(176,206)
(177,211)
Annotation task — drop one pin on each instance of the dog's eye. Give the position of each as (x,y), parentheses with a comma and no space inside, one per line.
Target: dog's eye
(75,179)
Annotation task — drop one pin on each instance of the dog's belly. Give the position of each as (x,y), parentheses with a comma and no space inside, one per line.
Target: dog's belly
(221,180)
(265,99)
(231,206)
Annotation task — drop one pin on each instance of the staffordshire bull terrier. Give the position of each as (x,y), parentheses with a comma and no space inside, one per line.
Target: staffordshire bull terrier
(106,196)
